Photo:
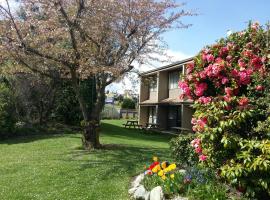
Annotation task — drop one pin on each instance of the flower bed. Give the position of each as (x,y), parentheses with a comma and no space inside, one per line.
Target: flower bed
(163,180)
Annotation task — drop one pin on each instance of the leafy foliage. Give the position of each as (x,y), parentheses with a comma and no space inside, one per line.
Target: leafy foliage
(182,151)
(229,82)
(7,114)
(128,104)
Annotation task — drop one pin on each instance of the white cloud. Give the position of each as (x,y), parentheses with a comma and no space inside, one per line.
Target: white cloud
(130,81)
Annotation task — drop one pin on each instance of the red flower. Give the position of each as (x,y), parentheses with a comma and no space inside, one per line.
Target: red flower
(227,98)
(223,51)
(247,53)
(229,91)
(256,62)
(241,63)
(243,101)
(190,67)
(210,58)
(198,150)
(202,157)
(244,77)
(204,100)
(153,165)
(255,26)
(259,88)
(224,80)
(200,88)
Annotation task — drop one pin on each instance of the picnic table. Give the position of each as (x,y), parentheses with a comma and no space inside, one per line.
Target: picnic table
(152,125)
(132,123)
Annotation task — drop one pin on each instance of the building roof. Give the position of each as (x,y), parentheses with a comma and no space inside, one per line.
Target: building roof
(167,67)
(175,101)
(168,101)
(149,102)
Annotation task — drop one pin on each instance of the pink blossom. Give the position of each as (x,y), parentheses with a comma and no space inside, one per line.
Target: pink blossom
(196,141)
(198,150)
(223,51)
(202,157)
(241,33)
(255,26)
(229,91)
(189,77)
(210,58)
(256,62)
(230,46)
(229,58)
(204,57)
(204,100)
(249,45)
(234,73)
(259,88)
(227,99)
(193,121)
(224,80)
(201,123)
(241,63)
(243,101)
(202,74)
(184,87)
(190,67)
(200,88)
(244,77)
(247,53)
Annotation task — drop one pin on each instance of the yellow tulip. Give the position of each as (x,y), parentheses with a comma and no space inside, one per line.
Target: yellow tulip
(156,169)
(172,176)
(164,165)
(161,173)
(163,177)
(172,166)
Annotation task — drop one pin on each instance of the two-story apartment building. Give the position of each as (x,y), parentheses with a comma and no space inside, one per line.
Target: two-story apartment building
(159,100)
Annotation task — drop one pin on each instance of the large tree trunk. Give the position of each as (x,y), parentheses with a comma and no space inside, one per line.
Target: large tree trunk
(90,137)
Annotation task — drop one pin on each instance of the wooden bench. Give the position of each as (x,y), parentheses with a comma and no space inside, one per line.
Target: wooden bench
(132,123)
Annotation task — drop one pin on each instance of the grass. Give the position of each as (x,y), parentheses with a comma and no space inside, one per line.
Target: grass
(54,167)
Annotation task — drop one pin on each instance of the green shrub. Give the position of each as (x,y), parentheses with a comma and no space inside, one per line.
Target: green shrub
(229,83)
(7,113)
(182,151)
(128,104)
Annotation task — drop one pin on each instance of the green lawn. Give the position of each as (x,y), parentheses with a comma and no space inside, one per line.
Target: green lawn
(53,166)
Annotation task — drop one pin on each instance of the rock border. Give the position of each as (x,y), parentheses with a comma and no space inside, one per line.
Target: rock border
(138,191)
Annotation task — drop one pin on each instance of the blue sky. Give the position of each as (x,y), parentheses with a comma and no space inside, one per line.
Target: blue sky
(215,18)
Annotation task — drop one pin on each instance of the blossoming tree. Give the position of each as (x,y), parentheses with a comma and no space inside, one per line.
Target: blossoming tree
(78,39)
(228,83)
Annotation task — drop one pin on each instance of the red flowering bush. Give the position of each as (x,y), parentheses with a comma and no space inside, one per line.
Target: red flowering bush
(228,83)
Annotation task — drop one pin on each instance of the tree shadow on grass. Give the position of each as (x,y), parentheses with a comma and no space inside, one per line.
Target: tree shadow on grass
(115,160)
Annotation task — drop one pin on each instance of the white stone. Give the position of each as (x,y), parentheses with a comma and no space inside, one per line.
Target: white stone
(180,198)
(182,171)
(132,190)
(137,180)
(147,196)
(140,193)
(156,194)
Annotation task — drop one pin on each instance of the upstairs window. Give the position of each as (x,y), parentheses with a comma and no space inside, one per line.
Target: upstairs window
(153,84)
(174,79)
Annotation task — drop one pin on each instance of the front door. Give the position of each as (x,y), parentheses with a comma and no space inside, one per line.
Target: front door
(174,116)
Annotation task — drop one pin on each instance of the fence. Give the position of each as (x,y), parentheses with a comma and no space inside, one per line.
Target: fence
(128,113)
